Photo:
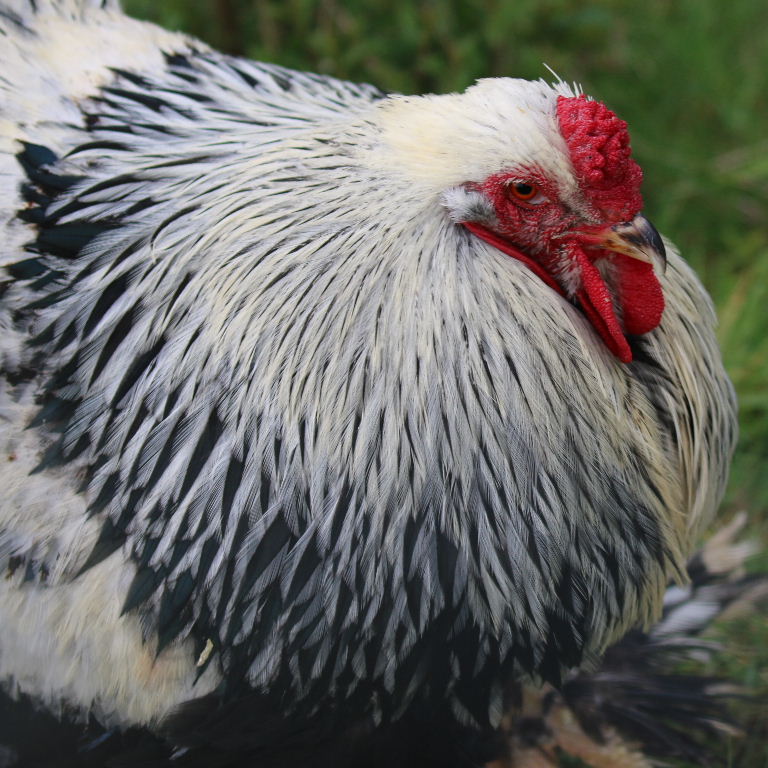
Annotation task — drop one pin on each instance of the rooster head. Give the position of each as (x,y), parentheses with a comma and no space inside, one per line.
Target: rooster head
(547,177)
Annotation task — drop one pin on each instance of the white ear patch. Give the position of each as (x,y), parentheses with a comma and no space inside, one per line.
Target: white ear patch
(468,205)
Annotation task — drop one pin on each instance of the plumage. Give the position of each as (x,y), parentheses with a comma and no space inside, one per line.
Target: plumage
(283,435)
(636,708)
(648,700)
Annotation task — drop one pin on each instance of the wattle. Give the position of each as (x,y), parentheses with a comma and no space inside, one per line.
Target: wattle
(638,293)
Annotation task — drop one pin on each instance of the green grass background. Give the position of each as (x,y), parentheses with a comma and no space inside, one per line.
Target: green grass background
(691,79)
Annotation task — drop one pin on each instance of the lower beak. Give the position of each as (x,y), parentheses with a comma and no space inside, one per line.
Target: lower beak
(637,239)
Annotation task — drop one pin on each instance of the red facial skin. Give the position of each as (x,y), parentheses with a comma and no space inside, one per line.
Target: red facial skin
(561,246)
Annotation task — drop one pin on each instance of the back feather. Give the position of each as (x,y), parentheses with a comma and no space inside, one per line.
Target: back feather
(23,11)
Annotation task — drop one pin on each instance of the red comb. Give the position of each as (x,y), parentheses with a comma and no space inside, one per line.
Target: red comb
(598,142)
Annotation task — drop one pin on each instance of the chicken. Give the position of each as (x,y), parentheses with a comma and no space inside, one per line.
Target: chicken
(327,413)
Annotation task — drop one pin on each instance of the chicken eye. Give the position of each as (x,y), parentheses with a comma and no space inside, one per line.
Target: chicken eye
(525,192)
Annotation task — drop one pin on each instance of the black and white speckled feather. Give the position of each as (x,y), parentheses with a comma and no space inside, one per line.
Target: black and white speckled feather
(309,437)
(653,696)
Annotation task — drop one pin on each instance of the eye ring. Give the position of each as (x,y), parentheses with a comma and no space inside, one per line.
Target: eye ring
(526,192)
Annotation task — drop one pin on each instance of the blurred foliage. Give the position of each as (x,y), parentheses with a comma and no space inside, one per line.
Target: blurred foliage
(691,79)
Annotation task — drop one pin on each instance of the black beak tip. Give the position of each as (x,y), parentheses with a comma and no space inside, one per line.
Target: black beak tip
(651,236)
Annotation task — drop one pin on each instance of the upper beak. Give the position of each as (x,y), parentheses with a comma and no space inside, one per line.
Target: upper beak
(637,239)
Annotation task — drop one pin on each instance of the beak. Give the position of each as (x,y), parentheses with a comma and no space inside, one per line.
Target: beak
(637,239)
